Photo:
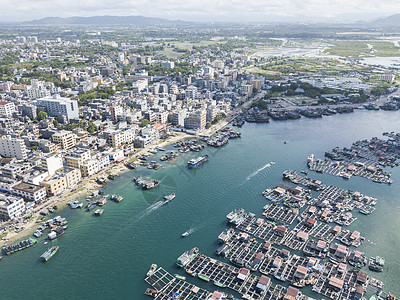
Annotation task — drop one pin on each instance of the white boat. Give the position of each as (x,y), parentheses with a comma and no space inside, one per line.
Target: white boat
(186,233)
(168,198)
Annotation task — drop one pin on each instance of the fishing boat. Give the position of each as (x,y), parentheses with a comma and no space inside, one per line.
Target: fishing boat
(168,198)
(219,284)
(376,264)
(150,292)
(152,269)
(116,198)
(197,161)
(98,212)
(187,257)
(179,277)
(203,277)
(272,163)
(19,246)
(49,253)
(187,232)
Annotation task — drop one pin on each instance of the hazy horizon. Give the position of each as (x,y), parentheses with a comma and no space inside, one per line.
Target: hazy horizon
(205,11)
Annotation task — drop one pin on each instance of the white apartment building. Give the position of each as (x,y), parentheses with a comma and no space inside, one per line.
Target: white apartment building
(57,105)
(12,147)
(76,158)
(30,191)
(140,85)
(191,92)
(7,108)
(52,162)
(11,207)
(89,167)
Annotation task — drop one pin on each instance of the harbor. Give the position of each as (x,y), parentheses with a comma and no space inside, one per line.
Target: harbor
(204,197)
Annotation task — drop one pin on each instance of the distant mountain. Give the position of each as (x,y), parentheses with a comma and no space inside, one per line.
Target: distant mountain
(391,21)
(106,20)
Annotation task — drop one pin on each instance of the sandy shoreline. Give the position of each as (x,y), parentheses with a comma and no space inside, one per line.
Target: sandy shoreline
(89,184)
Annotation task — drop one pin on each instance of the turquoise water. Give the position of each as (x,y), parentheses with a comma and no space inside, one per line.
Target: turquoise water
(107,257)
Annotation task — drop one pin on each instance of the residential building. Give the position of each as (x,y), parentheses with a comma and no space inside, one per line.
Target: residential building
(89,168)
(139,85)
(116,111)
(196,120)
(7,108)
(30,191)
(66,139)
(168,64)
(191,92)
(11,207)
(13,147)
(59,106)
(52,162)
(76,158)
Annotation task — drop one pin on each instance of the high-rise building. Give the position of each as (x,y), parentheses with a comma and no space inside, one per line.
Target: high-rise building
(57,105)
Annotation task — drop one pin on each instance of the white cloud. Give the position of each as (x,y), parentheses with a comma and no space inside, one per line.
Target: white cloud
(200,10)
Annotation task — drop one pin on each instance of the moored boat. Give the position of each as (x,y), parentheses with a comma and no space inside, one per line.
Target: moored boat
(179,277)
(98,212)
(197,161)
(152,269)
(49,253)
(187,257)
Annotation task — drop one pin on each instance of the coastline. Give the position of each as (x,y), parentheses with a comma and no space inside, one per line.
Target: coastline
(88,184)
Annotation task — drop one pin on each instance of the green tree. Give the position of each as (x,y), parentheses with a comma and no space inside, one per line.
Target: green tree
(55,123)
(41,115)
(208,125)
(144,123)
(92,128)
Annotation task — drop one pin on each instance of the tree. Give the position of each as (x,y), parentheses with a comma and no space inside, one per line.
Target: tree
(208,125)
(144,123)
(92,128)
(55,123)
(41,115)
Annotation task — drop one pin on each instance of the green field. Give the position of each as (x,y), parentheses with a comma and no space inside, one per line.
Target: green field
(363,49)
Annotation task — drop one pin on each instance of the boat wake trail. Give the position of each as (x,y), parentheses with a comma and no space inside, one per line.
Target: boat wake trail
(149,210)
(258,171)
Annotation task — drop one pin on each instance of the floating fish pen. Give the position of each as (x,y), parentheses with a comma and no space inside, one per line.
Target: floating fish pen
(279,214)
(295,178)
(167,287)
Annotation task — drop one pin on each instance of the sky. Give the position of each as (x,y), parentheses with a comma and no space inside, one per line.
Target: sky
(205,10)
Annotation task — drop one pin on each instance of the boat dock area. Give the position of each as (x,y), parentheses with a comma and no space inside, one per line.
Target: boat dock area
(238,280)
(279,214)
(330,268)
(293,197)
(257,227)
(307,182)
(366,158)
(335,205)
(166,286)
(331,282)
